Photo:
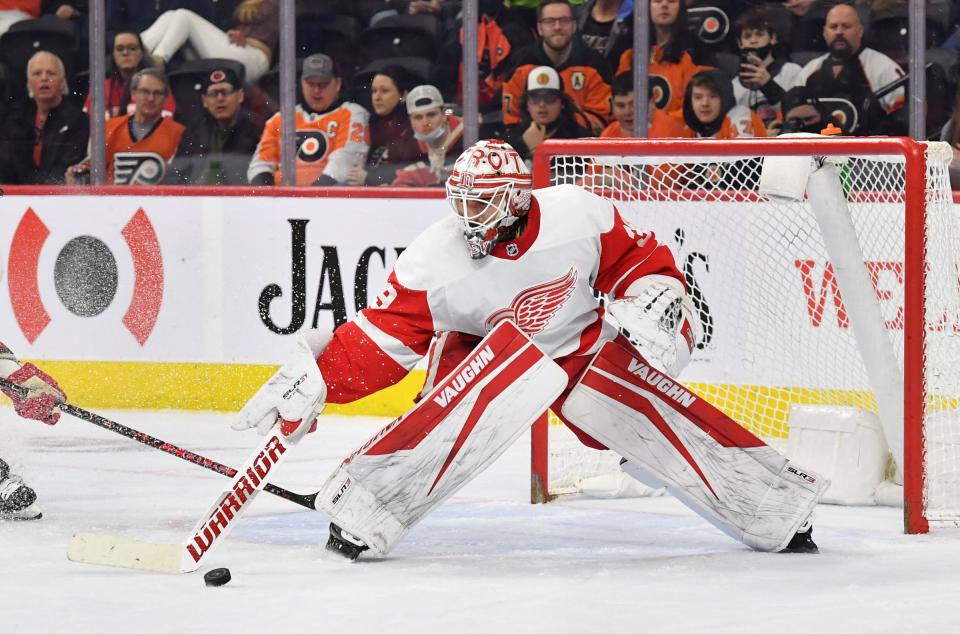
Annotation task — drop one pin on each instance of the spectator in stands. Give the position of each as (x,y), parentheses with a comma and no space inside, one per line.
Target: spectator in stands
(250,42)
(127,58)
(763,79)
(439,137)
(586,75)
(802,112)
(671,66)
(606,26)
(13,11)
(392,144)
(216,147)
(44,135)
(710,111)
(500,35)
(659,123)
(856,73)
(548,113)
(142,144)
(333,134)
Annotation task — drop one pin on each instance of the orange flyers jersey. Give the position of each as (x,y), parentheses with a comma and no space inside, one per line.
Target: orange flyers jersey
(585,80)
(329,143)
(142,162)
(662,125)
(742,122)
(574,243)
(667,81)
(739,122)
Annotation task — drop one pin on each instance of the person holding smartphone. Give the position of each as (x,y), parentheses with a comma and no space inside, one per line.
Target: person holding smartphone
(763,78)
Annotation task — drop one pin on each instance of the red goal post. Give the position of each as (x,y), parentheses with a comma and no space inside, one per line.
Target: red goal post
(902,182)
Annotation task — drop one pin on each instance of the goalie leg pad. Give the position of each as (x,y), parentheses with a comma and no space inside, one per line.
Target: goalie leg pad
(454,432)
(673,438)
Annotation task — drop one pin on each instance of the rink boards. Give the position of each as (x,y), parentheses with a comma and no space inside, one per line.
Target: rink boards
(163,298)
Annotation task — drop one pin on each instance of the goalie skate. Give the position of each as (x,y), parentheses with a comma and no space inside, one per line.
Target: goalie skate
(344,544)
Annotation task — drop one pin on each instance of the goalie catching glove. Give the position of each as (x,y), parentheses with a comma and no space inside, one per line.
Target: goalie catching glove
(657,317)
(297,393)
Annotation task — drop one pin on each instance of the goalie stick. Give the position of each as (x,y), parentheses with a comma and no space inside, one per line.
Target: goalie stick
(305,500)
(210,531)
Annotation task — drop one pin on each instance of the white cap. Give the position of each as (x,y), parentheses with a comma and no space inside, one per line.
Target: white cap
(423,98)
(543,78)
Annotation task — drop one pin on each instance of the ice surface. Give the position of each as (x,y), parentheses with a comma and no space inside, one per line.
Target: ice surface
(487,561)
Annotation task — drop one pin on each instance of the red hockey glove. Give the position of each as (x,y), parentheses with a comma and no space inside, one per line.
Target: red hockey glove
(44,396)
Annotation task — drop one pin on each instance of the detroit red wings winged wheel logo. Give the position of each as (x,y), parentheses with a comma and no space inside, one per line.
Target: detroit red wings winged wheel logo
(534,307)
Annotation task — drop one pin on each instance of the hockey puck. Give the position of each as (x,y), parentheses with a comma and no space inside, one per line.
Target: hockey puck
(217,577)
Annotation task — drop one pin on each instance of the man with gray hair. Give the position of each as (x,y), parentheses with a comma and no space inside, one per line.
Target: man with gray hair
(142,144)
(45,134)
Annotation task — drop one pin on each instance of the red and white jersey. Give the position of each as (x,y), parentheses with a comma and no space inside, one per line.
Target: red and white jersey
(574,243)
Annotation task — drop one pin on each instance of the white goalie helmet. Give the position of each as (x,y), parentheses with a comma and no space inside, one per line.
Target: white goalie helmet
(488,189)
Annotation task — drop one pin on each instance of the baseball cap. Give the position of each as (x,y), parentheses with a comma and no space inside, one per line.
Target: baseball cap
(423,98)
(320,67)
(220,75)
(543,78)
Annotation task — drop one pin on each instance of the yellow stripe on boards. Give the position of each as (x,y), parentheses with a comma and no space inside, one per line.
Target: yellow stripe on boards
(198,386)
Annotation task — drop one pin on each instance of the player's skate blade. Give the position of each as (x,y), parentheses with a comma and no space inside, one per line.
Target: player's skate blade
(802,542)
(17,500)
(344,544)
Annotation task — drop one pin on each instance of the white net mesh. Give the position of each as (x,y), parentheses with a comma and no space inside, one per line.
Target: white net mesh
(777,330)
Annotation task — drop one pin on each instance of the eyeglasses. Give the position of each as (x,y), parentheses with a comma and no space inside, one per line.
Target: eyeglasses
(220,92)
(552,22)
(156,94)
(130,48)
(548,98)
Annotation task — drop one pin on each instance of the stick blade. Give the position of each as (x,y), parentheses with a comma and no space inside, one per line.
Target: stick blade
(121,552)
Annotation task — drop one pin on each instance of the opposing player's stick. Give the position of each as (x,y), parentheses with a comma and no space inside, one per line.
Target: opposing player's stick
(307,501)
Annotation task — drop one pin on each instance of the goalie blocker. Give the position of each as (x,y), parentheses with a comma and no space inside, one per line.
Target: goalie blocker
(672,438)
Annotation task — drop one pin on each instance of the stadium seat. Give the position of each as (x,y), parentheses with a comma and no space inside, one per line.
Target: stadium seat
(335,35)
(891,34)
(25,38)
(401,36)
(803,57)
(362,10)
(186,82)
(270,83)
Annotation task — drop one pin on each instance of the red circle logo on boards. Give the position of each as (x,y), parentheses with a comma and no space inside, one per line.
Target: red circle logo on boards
(85,276)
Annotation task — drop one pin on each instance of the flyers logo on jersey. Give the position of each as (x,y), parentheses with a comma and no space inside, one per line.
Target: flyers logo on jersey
(138,168)
(534,307)
(312,145)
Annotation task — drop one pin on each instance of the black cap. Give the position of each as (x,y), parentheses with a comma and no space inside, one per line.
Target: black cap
(798,96)
(222,75)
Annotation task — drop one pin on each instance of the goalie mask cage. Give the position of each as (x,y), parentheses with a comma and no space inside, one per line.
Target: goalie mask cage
(781,316)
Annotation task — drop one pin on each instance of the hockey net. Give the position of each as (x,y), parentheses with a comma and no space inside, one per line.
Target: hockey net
(777,326)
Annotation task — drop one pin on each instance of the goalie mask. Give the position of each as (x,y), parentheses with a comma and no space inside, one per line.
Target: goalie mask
(489,190)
